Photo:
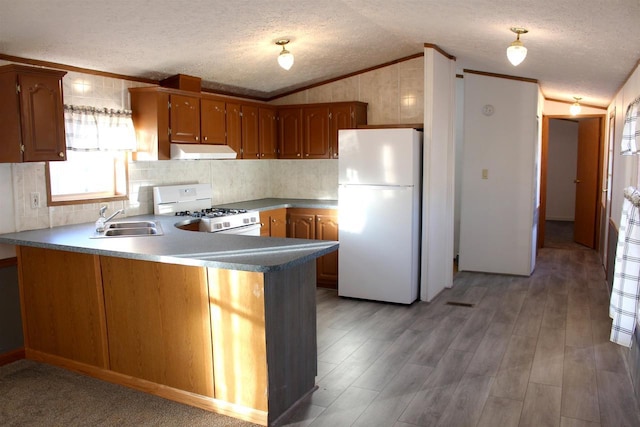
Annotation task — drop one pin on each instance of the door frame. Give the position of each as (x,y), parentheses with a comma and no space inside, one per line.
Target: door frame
(544,152)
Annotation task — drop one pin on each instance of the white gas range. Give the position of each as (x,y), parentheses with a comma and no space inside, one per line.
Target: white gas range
(195,200)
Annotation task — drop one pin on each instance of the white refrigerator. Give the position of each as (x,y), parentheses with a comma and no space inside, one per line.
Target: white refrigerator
(379,199)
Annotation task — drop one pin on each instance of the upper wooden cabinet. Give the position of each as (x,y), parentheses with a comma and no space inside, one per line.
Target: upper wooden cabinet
(290,127)
(254,130)
(311,131)
(250,132)
(213,122)
(31,114)
(268,132)
(184,123)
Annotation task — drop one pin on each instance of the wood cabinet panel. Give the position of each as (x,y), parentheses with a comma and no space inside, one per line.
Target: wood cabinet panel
(185,119)
(63,304)
(320,224)
(31,114)
(213,127)
(327,265)
(268,133)
(250,132)
(290,133)
(234,128)
(239,337)
(301,224)
(274,223)
(159,326)
(316,133)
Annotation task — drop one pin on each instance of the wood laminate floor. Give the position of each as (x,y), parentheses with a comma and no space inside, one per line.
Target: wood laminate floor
(531,351)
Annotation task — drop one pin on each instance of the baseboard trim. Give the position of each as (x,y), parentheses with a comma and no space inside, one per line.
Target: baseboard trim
(12,356)
(188,398)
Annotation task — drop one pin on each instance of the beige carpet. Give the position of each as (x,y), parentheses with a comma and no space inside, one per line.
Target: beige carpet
(36,394)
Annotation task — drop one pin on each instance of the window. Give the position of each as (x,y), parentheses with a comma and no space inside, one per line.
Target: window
(98,141)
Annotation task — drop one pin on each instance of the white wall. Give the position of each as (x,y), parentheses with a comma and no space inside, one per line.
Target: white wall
(497,214)
(562,162)
(555,108)
(438,174)
(459,143)
(625,168)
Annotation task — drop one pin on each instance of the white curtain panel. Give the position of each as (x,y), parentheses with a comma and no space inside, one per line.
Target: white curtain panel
(98,129)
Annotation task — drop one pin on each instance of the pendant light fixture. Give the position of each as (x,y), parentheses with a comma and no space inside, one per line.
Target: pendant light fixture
(516,52)
(285,59)
(575,107)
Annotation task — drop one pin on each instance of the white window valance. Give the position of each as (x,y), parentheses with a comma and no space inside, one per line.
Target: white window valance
(98,129)
(631,130)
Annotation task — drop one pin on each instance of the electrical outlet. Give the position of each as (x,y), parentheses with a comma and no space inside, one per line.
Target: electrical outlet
(485,173)
(35,200)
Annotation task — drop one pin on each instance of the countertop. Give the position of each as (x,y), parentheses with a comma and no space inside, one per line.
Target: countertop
(275,203)
(176,246)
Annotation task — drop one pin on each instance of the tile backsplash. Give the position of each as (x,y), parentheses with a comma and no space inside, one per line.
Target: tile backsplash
(395,95)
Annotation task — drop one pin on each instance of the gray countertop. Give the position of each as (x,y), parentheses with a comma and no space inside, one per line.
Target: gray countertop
(176,246)
(274,203)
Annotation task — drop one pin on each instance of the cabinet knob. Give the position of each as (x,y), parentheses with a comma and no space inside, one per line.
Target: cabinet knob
(298,154)
(205,138)
(262,154)
(257,154)
(273,220)
(61,154)
(307,154)
(197,138)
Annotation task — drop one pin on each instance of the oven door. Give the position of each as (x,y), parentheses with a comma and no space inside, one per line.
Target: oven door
(247,230)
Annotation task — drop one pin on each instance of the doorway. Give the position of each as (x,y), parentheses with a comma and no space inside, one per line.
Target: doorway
(571,181)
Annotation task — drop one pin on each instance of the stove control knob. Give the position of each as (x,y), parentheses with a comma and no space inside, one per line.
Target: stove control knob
(226,224)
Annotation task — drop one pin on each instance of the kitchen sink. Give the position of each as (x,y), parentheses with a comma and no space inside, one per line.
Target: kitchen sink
(130,229)
(131,224)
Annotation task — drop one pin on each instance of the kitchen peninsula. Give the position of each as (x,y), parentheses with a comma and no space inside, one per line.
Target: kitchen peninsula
(222,322)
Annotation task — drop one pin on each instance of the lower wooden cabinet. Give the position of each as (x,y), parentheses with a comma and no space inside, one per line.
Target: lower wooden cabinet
(320,224)
(159,325)
(63,305)
(274,223)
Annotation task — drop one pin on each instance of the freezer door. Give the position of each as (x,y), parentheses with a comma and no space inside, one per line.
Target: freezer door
(379,156)
(379,243)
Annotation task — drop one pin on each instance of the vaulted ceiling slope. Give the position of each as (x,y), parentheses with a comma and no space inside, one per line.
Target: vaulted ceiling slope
(576,47)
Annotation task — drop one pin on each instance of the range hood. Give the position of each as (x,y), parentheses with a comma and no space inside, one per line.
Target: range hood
(202,152)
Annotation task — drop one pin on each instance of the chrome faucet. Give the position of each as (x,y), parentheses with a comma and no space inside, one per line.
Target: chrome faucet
(102,220)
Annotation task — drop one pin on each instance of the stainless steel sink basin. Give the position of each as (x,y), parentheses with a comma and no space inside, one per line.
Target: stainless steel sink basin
(146,231)
(130,229)
(131,224)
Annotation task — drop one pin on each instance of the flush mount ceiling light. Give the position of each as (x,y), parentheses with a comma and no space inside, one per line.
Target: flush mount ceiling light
(516,52)
(575,107)
(285,59)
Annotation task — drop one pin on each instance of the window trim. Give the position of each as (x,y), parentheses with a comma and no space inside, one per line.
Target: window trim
(77,199)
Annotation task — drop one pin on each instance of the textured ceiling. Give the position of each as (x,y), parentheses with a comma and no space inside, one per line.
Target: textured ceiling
(576,47)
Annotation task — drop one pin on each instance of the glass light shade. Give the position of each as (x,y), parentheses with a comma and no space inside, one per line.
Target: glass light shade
(285,59)
(516,52)
(575,108)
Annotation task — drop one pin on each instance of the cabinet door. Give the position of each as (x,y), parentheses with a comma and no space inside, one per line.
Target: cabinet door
(268,133)
(327,265)
(301,225)
(234,128)
(290,133)
(250,135)
(150,337)
(340,118)
(185,119)
(274,223)
(63,307)
(213,122)
(316,133)
(42,117)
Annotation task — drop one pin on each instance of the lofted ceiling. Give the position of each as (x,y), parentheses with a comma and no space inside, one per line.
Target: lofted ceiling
(583,48)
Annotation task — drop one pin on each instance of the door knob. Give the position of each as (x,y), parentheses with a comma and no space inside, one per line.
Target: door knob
(576,181)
